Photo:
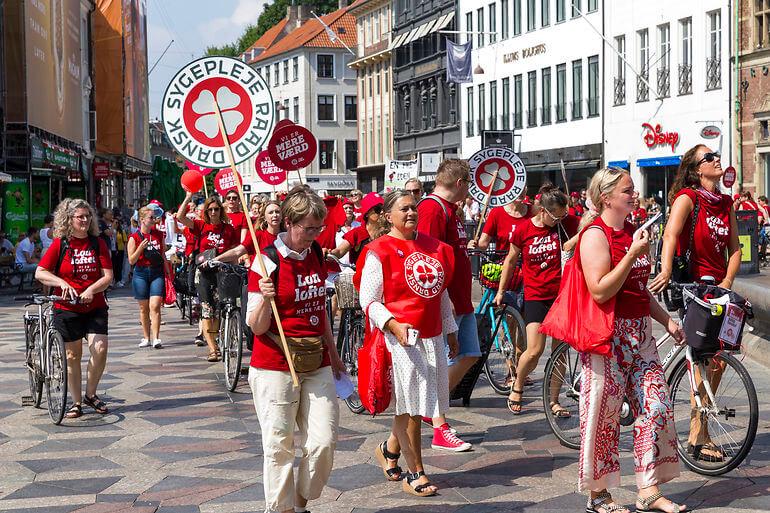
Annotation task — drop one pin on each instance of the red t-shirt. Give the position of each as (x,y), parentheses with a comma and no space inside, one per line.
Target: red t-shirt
(444,225)
(155,238)
(264,239)
(500,224)
(78,268)
(238,221)
(220,236)
(192,242)
(358,238)
(711,237)
(301,301)
(541,258)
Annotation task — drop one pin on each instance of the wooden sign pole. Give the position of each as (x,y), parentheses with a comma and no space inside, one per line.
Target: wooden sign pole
(564,176)
(486,205)
(262,270)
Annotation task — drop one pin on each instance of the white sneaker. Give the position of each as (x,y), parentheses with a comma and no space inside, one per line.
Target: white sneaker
(144,343)
(120,284)
(156,344)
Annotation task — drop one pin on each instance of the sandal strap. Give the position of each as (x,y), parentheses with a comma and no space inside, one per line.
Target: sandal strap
(393,471)
(422,487)
(647,501)
(412,476)
(600,499)
(389,455)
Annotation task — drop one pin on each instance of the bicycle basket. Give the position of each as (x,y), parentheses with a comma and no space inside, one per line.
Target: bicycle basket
(229,282)
(180,281)
(707,325)
(489,275)
(347,295)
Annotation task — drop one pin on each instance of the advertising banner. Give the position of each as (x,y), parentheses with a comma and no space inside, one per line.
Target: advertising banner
(135,81)
(40,200)
(16,208)
(52,46)
(397,172)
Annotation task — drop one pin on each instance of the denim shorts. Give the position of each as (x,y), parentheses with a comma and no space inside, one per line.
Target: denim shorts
(467,337)
(148,281)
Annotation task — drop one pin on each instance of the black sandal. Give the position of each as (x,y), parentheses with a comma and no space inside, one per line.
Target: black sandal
(418,490)
(696,451)
(511,403)
(75,411)
(382,454)
(97,404)
(559,411)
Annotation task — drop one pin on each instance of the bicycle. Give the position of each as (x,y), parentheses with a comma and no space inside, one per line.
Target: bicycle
(504,326)
(230,279)
(728,407)
(45,357)
(186,296)
(350,335)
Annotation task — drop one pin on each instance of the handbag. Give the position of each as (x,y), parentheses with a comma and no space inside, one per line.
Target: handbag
(575,317)
(680,269)
(151,254)
(307,353)
(170,298)
(375,382)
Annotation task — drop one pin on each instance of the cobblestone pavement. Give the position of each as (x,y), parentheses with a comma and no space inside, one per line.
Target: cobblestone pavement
(177,442)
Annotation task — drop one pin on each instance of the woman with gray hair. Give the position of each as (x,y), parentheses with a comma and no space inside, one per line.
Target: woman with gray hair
(78,265)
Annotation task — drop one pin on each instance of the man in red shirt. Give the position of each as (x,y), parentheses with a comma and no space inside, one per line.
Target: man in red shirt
(437,217)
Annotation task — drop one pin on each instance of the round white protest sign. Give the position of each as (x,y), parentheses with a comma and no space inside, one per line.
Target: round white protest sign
(189,113)
(509,183)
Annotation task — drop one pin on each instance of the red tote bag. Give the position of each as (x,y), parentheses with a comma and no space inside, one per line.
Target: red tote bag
(375,382)
(170,298)
(576,318)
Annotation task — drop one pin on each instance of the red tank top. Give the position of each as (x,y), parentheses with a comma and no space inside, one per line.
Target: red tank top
(414,275)
(155,240)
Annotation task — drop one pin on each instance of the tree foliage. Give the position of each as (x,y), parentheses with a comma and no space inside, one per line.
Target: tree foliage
(272,14)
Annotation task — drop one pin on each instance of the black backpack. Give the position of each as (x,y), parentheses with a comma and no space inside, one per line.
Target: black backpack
(65,246)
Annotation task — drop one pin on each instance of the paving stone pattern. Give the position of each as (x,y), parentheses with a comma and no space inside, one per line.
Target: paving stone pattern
(177,442)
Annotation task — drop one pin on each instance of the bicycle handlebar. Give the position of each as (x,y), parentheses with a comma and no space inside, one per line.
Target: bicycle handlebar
(38,299)
(333,258)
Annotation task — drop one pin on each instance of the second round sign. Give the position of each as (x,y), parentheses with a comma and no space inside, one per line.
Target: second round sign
(292,147)
(502,166)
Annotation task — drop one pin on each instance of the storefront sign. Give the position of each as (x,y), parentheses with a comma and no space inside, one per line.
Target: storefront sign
(55,155)
(429,163)
(332,182)
(397,172)
(710,132)
(189,114)
(654,136)
(525,53)
(101,169)
(498,173)
(292,147)
(729,177)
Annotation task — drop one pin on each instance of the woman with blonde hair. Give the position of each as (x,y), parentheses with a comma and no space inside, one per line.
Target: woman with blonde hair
(616,264)
(78,265)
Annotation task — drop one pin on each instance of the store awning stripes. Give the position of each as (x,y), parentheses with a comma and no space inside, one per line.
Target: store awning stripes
(423,30)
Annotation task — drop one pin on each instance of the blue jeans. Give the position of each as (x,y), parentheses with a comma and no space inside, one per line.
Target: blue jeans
(467,338)
(148,281)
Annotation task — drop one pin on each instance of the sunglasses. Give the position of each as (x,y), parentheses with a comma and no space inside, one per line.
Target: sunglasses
(709,157)
(215,209)
(231,198)
(376,209)
(414,191)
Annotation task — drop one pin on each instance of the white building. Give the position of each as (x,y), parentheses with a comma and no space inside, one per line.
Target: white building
(312,85)
(542,69)
(682,49)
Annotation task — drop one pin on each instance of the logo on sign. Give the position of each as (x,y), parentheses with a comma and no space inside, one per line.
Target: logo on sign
(498,173)
(267,171)
(654,136)
(190,118)
(292,147)
(224,182)
(424,275)
(710,132)
(729,177)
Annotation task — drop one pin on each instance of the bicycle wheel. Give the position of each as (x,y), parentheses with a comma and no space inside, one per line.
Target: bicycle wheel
(232,348)
(56,379)
(349,339)
(33,362)
(181,304)
(506,331)
(728,427)
(561,384)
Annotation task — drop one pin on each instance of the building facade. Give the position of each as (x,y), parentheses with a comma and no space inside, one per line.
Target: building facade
(538,67)
(375,91)
(668,86)
(312,85)
(426,117)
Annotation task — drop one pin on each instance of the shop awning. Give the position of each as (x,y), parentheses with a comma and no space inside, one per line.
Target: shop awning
(430,27)
(556,166)
(443,22)
(673,160)
(622,164)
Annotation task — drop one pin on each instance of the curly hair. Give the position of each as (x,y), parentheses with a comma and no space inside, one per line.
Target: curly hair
(62,217)
(687,174)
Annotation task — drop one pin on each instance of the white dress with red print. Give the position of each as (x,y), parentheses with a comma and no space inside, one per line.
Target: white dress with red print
(420,374)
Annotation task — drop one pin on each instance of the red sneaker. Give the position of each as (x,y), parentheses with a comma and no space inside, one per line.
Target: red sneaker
(444,439)
(429,422)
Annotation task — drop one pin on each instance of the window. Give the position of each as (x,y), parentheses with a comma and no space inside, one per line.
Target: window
(480,27)
(277,116)
(545,13)
(493,23)
(593,5)
(593,86)
(286,109)
(664,68)
(351,154)
(532,98)
(561,92)
(326,157)
(376,27)
(685,63)
(325,107)
(275,74)
(761,23)
(325,66)
(561,11)
(351,108)
(286,71)
(518,102)
(493,105)
(482,107)
(531,15)
(577,89)
(642,91)
(469,26)
(714,59)
(516,17)
(377,140)
(546,95)
(378,79)
(296,109)
(386,87)
(470,120)
(295,69)
(620,72)
(504,19)
(506,117)
(385,22)
(577,7)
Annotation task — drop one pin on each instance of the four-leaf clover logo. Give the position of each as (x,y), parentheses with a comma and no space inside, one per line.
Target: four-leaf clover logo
(228,104)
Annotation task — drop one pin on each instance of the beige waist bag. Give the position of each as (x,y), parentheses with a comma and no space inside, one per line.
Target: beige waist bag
(307,353)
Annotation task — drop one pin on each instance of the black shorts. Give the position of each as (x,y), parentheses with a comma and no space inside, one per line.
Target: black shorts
(74,326)
(536,309)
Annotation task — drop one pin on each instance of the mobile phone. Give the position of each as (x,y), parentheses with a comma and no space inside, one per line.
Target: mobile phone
(649,222)
(411,336)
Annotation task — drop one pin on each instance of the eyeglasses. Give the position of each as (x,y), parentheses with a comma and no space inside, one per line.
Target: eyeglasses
(377,209)
(214,209)
(414,191)
(84,217)
(557,219)
(312,229)
(709,157)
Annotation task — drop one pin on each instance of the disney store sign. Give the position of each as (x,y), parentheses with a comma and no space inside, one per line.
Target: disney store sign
(655,136)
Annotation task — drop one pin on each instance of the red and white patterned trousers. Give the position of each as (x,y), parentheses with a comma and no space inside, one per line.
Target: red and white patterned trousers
(634,371)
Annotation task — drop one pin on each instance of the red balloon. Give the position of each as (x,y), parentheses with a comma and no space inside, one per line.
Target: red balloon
(192,181)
